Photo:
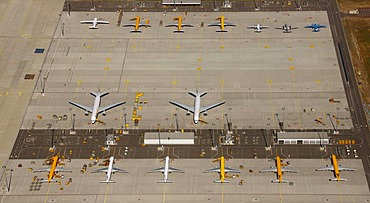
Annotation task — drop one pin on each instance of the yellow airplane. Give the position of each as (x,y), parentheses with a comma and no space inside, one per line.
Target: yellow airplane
(137,25)
(53,169)
(279,169)
(335,168)
(179,25)
(222,24)
(222,170)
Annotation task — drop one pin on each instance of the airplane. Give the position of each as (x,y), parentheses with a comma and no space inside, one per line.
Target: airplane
(222,24)
(96,109)
(179,25)
(222,170)
(109,171)
(166,170)
(136,25)
(94,23)
(335,168)
(286,28)
(279,169)
(54,168)
(315,27)
(197,109)
(257,28)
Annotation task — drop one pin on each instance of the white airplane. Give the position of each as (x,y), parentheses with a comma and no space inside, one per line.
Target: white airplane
(336,169)
(222,24)
(197,109)
(179,25)
(96,109)
(257,28)
(94,23)
(109,171)
(166,170)
(286,28)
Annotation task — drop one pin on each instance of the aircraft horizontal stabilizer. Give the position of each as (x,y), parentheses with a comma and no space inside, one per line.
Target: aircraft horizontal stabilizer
(279,181)
(178,31)
(46,181)
(219,181)
(221,30)
(336,179)
(165,181)
(107,181)
(135,31)
(93,27)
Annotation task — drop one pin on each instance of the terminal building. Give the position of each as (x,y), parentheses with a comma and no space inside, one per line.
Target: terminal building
(169,138)
(316,138)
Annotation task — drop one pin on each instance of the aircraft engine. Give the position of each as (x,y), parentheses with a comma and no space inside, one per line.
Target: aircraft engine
(104,113)
(188,113)
(86,113)
(205,113)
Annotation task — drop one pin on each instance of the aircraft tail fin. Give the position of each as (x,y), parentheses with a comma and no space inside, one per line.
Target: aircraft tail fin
(165,181)
(220,181)
(107,181)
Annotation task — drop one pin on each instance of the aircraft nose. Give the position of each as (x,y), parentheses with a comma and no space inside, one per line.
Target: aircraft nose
(93,121)
(196,121)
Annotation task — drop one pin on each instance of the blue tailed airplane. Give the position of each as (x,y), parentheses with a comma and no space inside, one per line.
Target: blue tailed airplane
(315,27)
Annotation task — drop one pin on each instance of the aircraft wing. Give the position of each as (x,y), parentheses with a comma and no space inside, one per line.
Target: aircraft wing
(231,170)
(340,168)
(327,168)
(129,25)
(206,108)
(214,24)
(294,28)
(322,26)
(118,170)
(171,25)
(86,108)
(106,108)
(157,170)
(102,22)
(187,108)
(308,26)
(229,24)
(172,169)
(264,26)
(283,169)
(279,28)
(61,169)
(251,27)
(86,21)
(186,25)
(144,25)
(102,170)
(270,170)
(216,169)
